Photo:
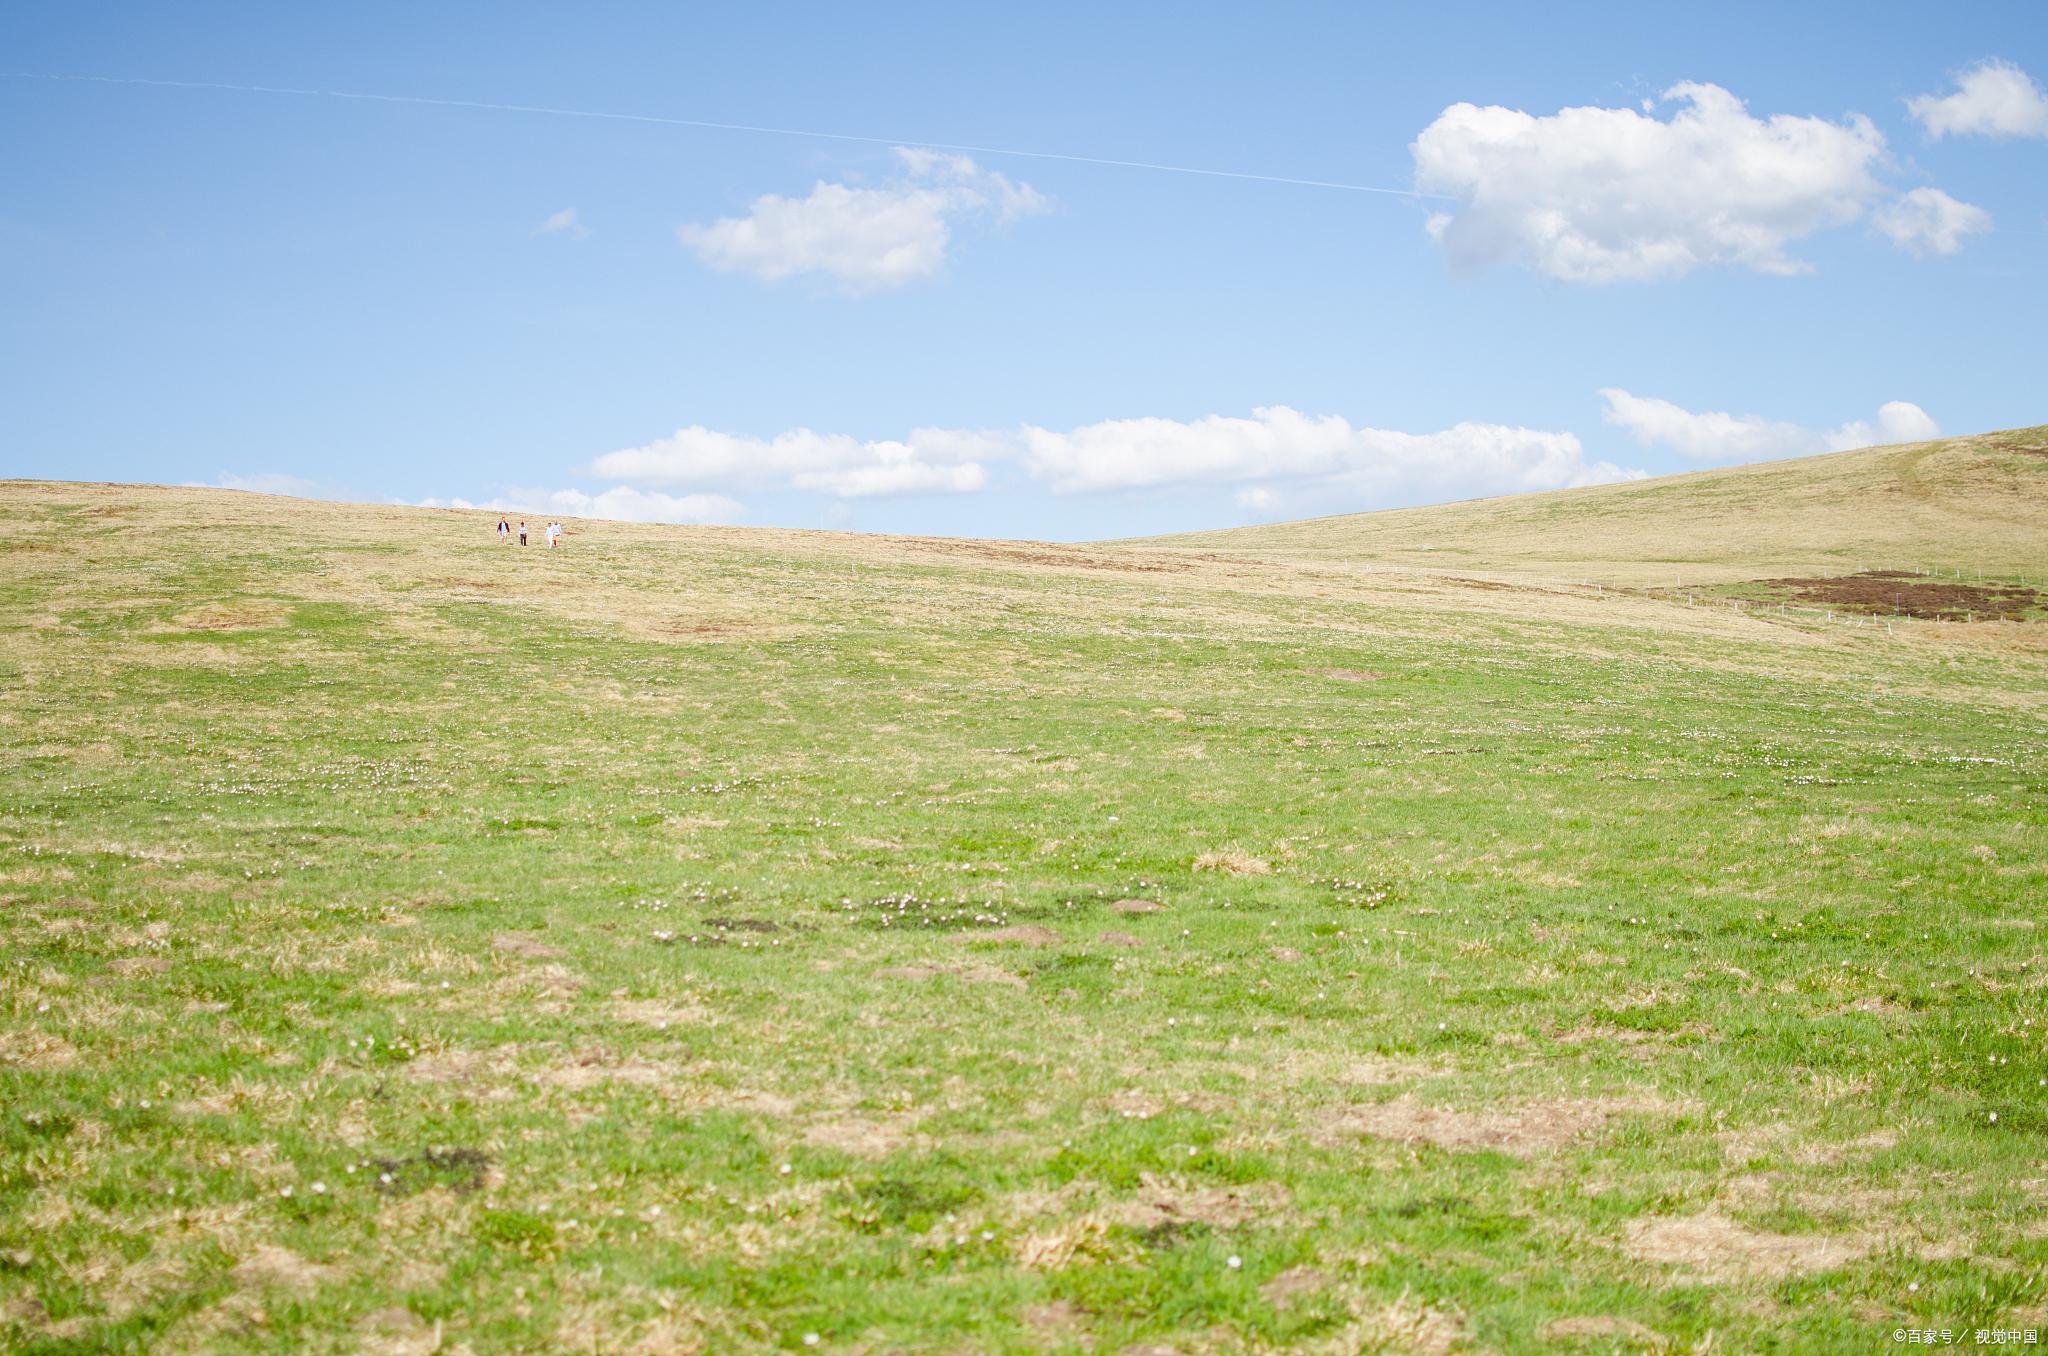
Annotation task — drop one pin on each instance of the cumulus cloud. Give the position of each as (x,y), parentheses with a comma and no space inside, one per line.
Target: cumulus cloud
(1928,221)
(1715,436)
(564,222)
(929,461)
(1609,194)
(865,239)
(1277,447)
(1993,99)
(621,503)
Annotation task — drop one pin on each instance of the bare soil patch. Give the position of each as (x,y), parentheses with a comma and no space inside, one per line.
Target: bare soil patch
(1354,675)
(459,1170)
(1137,906)
(1120,939)
(1163,1207)
(280,1269)
(589,1068)
(862,1136)
(1518,1128)
(1712,1247)
(1897,592)
(1293,1285)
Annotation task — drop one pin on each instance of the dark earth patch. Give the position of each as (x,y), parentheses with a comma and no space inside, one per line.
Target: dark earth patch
(1900,593)
(459,1170)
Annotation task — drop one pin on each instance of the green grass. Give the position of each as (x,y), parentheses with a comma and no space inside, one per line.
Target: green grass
(412,941)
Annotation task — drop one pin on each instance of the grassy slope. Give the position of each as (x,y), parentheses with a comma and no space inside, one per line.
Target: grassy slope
(1979,503)
(1625,973)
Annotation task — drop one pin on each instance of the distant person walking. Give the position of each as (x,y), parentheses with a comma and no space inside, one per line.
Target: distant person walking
(554,534)
(504,531)
(522,532)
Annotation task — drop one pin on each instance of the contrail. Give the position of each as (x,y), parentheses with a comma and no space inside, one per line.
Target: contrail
(724,127)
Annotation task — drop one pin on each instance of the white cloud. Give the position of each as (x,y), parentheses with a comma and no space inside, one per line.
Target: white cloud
(1608,194)
(1714,436)
(564,222)
(930,461)
(621,503)
(866,239)
(1993,98)
(1928,221)
(1277,459)
(1280,450)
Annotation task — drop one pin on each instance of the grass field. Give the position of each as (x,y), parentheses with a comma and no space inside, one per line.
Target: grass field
(743,941)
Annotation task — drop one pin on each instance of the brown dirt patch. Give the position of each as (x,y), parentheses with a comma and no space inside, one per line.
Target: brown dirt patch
(280,1269)
(1233,863)
(1354,675)
(1897,592)
(1286,953)
(1163,1204)
(1519,1128)
(1134,906)
(861,1136)
(457,1066)
(1293,1285)
(520,944)
(1120,939)
(590,1068)
(1712,1247)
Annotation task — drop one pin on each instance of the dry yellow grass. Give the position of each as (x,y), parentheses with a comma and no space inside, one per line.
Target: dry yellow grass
(1976,503)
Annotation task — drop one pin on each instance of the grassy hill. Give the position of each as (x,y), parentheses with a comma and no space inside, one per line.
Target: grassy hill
(1979,504)
(748,941)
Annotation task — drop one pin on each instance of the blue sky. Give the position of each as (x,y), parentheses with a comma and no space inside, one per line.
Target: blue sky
(364,298)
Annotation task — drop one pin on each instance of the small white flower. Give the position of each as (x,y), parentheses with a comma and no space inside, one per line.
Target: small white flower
(811,1339)
(319,1188)
(784,1169)
(1914,1286)
(1235,1262)
(1994,1116)
(987,1237)
(286,1191)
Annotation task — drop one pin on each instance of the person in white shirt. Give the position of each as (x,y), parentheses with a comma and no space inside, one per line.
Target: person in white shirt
(554,533)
